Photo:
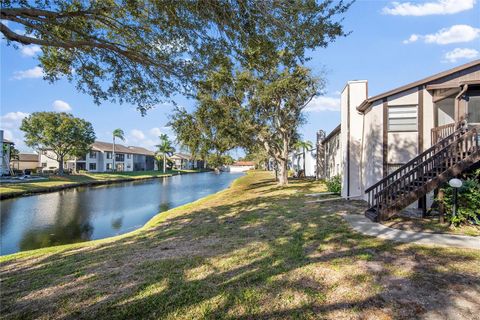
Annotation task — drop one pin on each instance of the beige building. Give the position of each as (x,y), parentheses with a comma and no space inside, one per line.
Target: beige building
(26,161)
(396,147)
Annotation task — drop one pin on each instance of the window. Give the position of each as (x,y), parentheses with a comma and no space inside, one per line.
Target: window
(474,108)
(109,166)
(44,164)
(109,155)
(402,118)
(92,166)
(129,156)
(446,111)
(119,157)
(93,154)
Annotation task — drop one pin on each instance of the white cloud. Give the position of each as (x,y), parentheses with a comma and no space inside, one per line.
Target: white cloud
(12,119)
(455,34)
(35,72)
(137,134)
(30,51)
(412,38)
(460,53)
(319,104)
(155,131)
(10,124)
(61,106)
(440,7)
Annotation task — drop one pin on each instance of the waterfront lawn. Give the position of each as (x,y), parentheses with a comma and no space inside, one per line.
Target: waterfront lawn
(254,251)
(83,178)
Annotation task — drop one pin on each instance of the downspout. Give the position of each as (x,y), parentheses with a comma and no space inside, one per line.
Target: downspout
(348,141)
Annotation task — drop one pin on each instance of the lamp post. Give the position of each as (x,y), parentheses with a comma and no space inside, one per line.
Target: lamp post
(455,184)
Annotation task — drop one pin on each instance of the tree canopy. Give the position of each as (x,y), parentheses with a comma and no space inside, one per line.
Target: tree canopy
(61,133)
(144,51)
(250,109)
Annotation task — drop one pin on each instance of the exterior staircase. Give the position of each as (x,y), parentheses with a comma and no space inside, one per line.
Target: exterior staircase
(447,158)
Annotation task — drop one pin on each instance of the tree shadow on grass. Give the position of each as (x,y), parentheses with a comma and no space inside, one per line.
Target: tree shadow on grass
(256,258)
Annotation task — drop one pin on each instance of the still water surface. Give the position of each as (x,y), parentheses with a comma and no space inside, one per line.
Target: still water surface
(87,213)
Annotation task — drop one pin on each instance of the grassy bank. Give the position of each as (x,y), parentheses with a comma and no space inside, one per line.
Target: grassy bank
(252,251)
(58,182)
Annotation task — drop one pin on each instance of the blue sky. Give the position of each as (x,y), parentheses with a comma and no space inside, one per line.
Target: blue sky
(391,44)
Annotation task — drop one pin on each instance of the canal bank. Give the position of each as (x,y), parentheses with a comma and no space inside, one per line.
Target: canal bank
(100,211)
(57,183)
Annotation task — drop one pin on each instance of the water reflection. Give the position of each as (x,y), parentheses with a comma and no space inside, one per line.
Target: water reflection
(87,213)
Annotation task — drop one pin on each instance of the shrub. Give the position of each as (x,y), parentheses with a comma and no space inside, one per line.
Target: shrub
(334,184)
(468,202)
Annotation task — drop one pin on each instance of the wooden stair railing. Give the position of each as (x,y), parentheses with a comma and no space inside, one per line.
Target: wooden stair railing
(441,132)
(421,174)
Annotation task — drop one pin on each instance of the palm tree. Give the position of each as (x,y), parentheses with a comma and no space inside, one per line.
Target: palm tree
(305,146)
(165,149)
(117,133)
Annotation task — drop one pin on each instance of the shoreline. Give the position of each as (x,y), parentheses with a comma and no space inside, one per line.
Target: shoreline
(41,190)
(78,245)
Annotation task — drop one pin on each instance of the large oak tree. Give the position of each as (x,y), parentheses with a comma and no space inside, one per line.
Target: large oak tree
(144,51)
(61,133)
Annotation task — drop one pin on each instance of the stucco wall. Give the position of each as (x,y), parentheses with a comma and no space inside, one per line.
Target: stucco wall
(372,150)
(333,156)
(353,95)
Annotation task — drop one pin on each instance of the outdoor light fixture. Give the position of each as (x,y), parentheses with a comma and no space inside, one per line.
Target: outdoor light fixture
(455,184)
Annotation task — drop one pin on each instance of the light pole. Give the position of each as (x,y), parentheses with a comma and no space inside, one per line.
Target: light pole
(455,184)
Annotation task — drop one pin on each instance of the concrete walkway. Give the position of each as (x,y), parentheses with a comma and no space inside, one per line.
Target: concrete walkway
(363,225)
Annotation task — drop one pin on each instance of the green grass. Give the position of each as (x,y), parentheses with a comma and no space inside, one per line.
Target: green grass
(253,251)
(84,178)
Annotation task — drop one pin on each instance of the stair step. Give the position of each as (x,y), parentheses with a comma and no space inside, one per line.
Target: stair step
(372,214)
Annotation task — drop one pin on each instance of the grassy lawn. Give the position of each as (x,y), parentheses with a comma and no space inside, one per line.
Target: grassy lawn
(84,178)
(254,251)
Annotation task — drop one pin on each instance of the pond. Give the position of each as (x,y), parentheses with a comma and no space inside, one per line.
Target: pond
(87,213)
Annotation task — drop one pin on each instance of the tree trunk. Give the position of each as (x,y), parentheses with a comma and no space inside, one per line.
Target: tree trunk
(283,173)
(304,163)
(60,166)
(164,162)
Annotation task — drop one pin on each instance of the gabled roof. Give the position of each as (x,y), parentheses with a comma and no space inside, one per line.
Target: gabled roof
(368,102)
(119,148)
(28,157)
(141,151)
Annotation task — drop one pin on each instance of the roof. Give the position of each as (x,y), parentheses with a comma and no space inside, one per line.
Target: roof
(119,148)
(179,155)
(140,150)
(243,163)
(7,141)
(368,102)
(332,134)
(28,157)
